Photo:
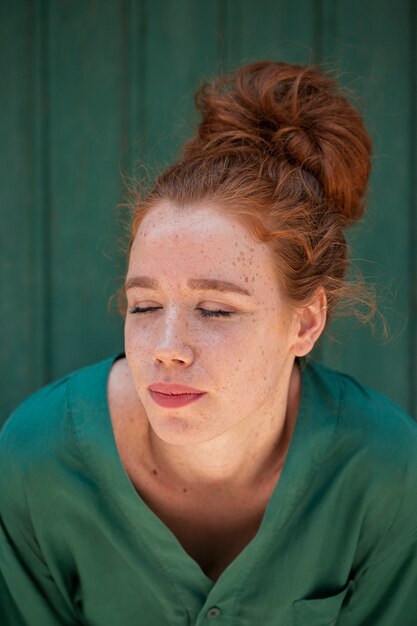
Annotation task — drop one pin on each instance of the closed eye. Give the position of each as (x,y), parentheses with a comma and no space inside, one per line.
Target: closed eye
(204,312)
(218,313)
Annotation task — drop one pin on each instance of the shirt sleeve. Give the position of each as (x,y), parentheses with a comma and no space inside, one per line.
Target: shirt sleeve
(29,595)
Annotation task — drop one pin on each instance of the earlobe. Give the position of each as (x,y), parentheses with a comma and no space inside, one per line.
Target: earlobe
(312,320)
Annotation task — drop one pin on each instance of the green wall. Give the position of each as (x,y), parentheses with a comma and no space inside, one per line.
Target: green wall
(91,89)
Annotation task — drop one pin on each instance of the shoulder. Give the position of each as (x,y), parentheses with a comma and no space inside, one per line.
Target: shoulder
(371,427)
(375,419)
(376,445)
(40,424)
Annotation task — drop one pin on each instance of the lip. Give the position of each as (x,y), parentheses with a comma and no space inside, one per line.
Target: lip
(173,401)
(173,388)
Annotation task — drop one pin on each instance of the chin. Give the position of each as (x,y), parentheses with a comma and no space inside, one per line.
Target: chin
(175,430)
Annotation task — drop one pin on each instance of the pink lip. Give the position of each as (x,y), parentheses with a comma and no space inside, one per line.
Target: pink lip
(174,400)
(172,388)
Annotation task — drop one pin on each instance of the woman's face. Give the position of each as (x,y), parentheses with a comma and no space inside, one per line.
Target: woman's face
(242,360)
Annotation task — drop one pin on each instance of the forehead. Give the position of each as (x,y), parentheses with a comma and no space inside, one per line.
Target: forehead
(194,235)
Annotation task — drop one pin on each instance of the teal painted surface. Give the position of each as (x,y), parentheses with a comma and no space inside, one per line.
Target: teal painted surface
(20,236)
(93,90)
(374,48)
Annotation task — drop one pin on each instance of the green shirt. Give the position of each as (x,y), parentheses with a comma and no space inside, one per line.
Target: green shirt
(337,543)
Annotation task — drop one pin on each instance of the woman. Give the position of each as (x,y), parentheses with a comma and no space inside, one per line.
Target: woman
(212,471)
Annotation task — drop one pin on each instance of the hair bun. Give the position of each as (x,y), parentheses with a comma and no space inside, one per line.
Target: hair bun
(290,112)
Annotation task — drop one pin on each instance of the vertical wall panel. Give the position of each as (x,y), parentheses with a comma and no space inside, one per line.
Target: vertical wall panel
(413,207)
(85,112)
(375,61)
(284,30)
(182,49)
(135,62)
(41,200)
(19,357)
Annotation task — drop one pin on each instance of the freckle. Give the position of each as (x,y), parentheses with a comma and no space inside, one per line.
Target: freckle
(185,490)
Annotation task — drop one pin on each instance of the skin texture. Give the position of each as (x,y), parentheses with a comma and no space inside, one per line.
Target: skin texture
(235,437)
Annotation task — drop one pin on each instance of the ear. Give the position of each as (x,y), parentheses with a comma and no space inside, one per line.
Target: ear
(311,322)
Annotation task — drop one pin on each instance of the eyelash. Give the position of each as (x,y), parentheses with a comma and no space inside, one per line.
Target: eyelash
(204,312)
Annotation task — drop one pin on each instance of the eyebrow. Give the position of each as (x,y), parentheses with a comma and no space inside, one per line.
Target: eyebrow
(201,284)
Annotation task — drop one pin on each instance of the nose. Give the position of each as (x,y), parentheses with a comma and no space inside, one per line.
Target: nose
(172,346)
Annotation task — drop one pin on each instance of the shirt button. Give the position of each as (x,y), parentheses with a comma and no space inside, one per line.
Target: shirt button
(213,612)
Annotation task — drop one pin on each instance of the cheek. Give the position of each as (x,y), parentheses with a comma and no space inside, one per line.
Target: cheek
(249,356)
(135,347)
(261,356)
(132,333)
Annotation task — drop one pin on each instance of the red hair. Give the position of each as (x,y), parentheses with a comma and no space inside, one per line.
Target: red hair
(281,148)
